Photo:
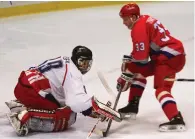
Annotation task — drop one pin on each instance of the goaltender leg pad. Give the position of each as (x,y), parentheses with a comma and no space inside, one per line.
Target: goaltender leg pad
(42,120)
(21,130)
(105,110)
(15,106)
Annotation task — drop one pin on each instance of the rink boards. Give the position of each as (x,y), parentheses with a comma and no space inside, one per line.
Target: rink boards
(15,8)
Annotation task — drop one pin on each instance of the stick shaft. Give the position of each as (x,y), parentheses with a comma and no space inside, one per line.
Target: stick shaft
(93,129)
(110,121)
(180,79)
(105,84)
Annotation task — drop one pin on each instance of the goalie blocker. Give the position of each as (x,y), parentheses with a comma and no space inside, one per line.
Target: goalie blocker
(105,111)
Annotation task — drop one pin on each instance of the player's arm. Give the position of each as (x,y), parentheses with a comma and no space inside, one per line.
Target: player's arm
(80,101)
(76,96)
(140,53)
(139,56)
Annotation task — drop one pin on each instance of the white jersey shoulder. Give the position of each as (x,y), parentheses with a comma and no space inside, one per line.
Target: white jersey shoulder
(66,83)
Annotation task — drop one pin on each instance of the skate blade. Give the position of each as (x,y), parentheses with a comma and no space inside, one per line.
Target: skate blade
(172,128)
(128,116)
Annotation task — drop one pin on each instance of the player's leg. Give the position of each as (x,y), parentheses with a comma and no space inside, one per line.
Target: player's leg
(136,89)
(45,117)
(28,97)
(135,93)
(32,97)
(40,113)
(164,96)
(37,120)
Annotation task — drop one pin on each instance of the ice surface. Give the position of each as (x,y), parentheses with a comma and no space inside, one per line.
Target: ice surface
(28,40)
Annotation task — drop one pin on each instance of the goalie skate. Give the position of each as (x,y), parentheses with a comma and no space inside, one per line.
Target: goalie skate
(21,130)
(175,125)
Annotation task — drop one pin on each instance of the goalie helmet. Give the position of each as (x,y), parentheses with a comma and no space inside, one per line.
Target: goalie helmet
(82,58)
(129,10)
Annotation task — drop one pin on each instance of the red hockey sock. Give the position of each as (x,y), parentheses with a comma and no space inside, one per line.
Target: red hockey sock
(137,88)
(167,102)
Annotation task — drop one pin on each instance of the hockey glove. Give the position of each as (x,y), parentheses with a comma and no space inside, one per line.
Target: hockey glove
(97,115)
(124,82)
(105,111)
(93,114)
(126,60)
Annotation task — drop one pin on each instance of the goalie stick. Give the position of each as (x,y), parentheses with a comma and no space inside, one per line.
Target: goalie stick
(110,121)
(94,129)
(105,84)
(104,133)
(97,131)
(109,90)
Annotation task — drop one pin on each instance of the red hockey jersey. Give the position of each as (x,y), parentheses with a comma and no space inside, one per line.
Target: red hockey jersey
(150,39)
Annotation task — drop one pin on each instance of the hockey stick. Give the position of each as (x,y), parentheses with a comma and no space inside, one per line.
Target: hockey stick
(104,133)
(181,80)
(110,121)
(94,129)
(109,90)
(97,131)
(105,84)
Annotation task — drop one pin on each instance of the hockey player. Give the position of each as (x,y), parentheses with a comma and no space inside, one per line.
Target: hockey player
(50,94)
(151,41)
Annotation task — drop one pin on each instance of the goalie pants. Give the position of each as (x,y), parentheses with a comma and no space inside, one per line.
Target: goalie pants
(28,94)
(160,71)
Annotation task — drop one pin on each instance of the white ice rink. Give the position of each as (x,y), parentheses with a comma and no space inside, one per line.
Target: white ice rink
(29,40)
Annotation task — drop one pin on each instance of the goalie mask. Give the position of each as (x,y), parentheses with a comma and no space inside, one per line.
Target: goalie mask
(82,58)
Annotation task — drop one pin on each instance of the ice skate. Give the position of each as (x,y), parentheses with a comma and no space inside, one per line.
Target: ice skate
(131,109)
(176,124)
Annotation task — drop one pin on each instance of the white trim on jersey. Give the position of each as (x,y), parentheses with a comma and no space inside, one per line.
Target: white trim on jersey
(170,50)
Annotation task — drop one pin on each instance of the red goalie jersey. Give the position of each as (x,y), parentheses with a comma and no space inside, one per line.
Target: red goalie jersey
(151,39)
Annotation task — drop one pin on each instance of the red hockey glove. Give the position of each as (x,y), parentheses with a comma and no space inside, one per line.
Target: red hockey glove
(126,60)
(124,82)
